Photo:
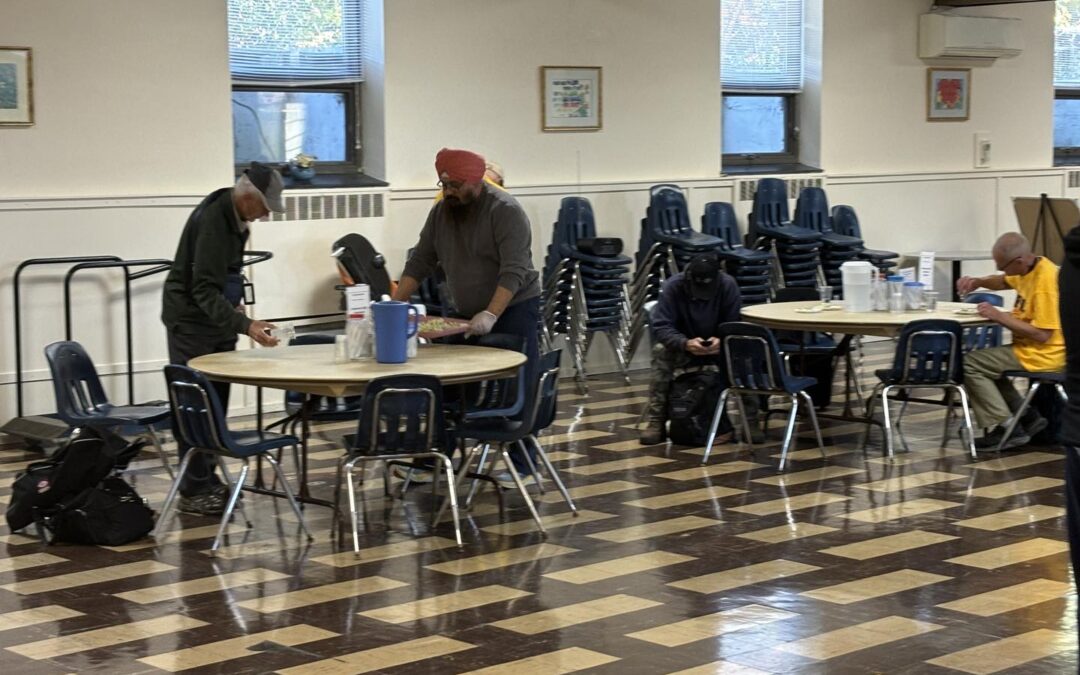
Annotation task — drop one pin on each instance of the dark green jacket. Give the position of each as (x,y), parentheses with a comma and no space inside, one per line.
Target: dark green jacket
(211,247)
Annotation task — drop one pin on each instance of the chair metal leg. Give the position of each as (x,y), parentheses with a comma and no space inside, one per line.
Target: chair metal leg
(554,474)
(1015,419)
(353,515)
(292,500)
(789,432)
(229,480)
(888,421)
(160,451)
(717,414)
(967,421)
(813,419)
(174,489)
(897,427)
(1061,392)
(475,485)
(521,488)
(532,467)
(451,496)
(234,496)
(744,421)
(463,470)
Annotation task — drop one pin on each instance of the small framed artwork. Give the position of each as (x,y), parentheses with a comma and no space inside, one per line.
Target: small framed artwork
(570,98)
(16,87)
(948,94)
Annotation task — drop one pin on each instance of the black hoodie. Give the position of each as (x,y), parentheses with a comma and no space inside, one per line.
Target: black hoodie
(1069,285)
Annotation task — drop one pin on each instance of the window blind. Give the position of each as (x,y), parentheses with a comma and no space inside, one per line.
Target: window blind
(1067,45)
(300,42)
(761,46)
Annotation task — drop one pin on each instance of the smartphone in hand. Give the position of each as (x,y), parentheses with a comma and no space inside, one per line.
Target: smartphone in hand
(707,342)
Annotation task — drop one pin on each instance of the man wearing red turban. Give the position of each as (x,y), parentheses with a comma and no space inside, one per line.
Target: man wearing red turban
(482,238)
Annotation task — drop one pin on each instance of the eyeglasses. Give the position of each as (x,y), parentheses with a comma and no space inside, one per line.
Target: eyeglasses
(451,184)
(1006,266)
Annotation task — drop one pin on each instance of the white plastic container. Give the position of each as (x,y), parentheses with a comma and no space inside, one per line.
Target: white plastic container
(856,276)
(414,341)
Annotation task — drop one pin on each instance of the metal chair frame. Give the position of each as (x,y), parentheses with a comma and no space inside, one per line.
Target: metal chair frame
(884,389)
(218,453)
(349,462)
(771,388)
(1034,383)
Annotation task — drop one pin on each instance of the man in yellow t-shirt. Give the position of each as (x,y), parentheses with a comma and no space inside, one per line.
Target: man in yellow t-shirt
(1038,344)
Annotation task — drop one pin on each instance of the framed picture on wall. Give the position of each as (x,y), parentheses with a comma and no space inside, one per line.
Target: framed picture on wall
(570,98)
(16,87)
(948,94)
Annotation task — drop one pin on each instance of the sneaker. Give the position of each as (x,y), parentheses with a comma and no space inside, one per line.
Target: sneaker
(991,438)
(506,481)
(654,434)
(418,475)
(209,503)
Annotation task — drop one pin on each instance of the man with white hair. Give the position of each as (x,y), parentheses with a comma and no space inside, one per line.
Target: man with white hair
(201,302)
(1038,344)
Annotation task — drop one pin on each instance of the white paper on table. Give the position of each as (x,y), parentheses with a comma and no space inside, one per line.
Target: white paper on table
(357,299)
(926,269)
(908,273)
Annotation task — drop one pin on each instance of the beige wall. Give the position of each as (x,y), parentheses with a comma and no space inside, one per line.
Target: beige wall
(873,115)
(131,97)
(466,74)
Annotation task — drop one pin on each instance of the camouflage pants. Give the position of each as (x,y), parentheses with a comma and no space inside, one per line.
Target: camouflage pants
(667,364)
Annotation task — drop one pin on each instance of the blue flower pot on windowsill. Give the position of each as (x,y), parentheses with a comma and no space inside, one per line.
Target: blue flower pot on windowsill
(302,173)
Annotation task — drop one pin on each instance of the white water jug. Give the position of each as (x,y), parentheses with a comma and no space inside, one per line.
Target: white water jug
(856,276)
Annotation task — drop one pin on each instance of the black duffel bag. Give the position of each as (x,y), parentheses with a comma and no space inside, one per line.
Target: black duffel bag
(691,406)
(109,514)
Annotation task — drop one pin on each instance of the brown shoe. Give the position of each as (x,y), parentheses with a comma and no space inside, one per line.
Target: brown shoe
(723,438)
(654,434)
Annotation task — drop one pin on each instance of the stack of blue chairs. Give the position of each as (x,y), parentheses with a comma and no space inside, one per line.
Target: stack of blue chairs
(797,249)
(845,221)
(585,291)
(812,213)
(749,267)
(666,244)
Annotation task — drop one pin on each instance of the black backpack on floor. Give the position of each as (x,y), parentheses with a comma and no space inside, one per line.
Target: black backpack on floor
(691,405)
(66,482)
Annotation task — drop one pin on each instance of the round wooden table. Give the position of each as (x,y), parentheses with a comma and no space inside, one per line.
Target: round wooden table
(311,369)
(783,316)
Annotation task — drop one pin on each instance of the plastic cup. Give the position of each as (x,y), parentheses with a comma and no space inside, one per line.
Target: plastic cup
(930,300)
(825,294)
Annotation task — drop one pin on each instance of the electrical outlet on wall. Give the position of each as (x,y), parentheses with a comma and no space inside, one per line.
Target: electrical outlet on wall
(982,149)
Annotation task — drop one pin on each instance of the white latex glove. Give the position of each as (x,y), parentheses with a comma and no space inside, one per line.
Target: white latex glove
(482,323)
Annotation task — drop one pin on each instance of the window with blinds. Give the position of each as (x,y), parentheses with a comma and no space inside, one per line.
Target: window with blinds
(1067,79)
(296,67)
(761,72)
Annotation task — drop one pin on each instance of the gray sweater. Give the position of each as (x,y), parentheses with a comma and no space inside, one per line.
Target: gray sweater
(489,245)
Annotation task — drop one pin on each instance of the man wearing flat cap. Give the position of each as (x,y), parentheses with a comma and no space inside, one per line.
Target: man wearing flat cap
(201,302)
(691,306)
(481,237)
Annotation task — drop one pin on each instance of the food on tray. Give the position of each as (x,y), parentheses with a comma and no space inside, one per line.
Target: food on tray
(966,311)
(438,326)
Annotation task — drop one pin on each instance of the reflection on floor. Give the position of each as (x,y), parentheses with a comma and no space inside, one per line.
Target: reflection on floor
(854,564)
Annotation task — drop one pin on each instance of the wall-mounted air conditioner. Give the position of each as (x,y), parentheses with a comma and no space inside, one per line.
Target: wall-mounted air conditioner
(969,37)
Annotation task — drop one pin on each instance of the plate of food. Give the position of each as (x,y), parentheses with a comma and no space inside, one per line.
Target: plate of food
(814,309)
(440,326)
(966,311)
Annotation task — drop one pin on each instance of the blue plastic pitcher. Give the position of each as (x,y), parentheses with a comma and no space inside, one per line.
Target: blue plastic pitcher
(395,323)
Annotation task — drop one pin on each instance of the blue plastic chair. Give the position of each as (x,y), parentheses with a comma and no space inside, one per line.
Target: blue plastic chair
(401,418)
(981,337)
(668,220)
(200,422)
(755,366)
(507,432)
(719,221)
(812,212)
(846,222)
(81,400)
(929,354)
